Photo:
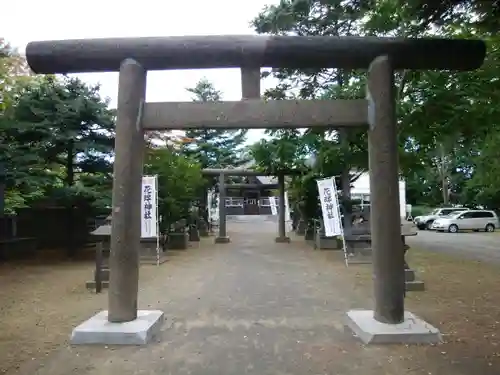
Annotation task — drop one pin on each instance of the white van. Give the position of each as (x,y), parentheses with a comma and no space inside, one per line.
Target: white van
(475,220)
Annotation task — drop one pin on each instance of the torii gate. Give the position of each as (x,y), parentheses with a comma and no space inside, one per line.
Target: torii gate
(223,173)
(133,57)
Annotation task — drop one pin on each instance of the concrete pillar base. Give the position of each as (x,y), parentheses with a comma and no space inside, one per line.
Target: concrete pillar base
(282,239)
(222,240)
(412,330)
(97,330)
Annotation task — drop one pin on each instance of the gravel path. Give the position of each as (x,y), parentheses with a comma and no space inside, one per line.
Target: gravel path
(248,307)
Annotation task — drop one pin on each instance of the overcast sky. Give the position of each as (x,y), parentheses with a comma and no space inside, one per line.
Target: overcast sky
(31,20)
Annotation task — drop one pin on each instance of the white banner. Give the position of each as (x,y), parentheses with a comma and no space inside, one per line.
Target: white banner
(287,208)
(149,207)
(274,207)
(209,204)
(330,207)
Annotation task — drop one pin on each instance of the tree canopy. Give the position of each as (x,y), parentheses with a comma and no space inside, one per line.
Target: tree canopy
(58,132)
(213,148)
(447,121)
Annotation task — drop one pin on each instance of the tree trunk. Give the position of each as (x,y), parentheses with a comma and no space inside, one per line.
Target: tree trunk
(443,174)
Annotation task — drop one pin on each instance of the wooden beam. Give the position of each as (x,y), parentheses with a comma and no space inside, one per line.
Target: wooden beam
(255,114)
(234,51)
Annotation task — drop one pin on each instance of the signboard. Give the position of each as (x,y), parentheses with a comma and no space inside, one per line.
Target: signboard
(149,207)
(274,207)
(330,207)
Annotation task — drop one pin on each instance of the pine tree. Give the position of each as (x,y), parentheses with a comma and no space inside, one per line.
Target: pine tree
(214,148)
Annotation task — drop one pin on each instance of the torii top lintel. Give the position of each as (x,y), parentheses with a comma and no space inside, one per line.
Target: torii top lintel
(234,51)
(246,172)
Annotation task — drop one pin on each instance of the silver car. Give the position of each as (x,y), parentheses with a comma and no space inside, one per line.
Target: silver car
(475,220)
(425,221)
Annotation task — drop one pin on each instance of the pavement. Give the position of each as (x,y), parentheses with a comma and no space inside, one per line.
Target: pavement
(251,307)
(480,246)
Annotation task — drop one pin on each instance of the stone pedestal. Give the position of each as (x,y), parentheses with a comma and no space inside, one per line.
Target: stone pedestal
(177,241)
(194,234)
(203,228)
(411,283)
(149,252)
(301,227)
(98,330)
(326,243)
(322,242)
(91,284)
(309,234)
(219,239)
(412,330)
(148,255)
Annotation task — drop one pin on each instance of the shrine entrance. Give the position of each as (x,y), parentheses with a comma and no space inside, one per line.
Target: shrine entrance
(251,202)
(134,57)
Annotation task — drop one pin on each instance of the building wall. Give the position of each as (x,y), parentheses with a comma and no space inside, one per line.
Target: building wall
(235,206)
(235,199)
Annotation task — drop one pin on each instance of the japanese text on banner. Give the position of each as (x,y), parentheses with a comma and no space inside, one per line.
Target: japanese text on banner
(330,207)
(149,220)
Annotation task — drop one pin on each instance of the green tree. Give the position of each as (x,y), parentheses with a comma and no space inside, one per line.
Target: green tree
(338,152)
(484,14)
(214,148)
(179,182)
(66,123)
(444,118)
(25,179)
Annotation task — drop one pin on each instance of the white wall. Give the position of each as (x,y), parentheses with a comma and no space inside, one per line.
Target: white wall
(362,186)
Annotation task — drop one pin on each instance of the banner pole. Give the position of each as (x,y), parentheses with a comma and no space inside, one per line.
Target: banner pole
(344,246)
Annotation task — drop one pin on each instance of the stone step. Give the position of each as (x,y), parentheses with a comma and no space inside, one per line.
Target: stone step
(415,286)
(104,274)
(91,284)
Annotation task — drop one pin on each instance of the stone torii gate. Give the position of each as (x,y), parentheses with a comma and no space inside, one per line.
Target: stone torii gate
(223,173)
(133,57)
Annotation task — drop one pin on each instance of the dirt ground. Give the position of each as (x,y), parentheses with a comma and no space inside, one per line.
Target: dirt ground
(40,303)
(462,300)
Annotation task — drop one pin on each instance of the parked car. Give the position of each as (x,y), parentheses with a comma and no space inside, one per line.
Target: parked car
(475,220)
(425,222)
